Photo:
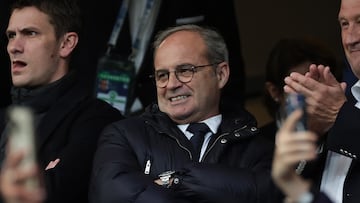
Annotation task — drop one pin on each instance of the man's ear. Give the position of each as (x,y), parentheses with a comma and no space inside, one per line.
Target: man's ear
(68,44)
(273,91)
(222,73)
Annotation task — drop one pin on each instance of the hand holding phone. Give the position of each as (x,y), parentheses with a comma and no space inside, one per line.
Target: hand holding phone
(21,140)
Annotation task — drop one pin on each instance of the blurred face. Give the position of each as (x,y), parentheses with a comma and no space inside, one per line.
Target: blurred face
(349,18)
(195,100)
(33,49)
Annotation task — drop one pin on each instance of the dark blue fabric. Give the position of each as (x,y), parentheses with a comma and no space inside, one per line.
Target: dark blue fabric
(235,167)
(199,130)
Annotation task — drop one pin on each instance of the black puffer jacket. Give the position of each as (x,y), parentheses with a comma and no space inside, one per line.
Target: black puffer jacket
(235,167)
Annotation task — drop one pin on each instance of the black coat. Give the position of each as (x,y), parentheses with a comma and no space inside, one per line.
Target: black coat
(344,139)
(235,167)
(69,131)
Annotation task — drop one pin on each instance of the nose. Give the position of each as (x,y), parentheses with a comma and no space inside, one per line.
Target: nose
(173,81)
(15,45)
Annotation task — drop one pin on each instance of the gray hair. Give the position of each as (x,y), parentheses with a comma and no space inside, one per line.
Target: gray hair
(216,47)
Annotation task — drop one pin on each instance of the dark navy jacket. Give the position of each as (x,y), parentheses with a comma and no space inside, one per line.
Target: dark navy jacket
(235,167)
(344,138)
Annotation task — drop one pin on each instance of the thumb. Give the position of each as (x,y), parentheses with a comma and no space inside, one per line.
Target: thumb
(343,86)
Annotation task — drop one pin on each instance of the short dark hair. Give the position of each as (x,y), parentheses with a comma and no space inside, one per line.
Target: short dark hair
(290,52)
(64,14)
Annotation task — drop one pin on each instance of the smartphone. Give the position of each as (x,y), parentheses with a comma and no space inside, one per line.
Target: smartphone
(22,138)
(297,101)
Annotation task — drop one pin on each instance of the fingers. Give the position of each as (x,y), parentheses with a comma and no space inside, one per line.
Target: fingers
(317,72)
(317,77)
(298,146)
(20,184)
(15,186)
(35,195)
(329,78)
(294,146)
(313,72)
(324,96)
(299,83)
(13,168)
(13,159)
(343,86)
(289,151)
(288,89)
(289,123)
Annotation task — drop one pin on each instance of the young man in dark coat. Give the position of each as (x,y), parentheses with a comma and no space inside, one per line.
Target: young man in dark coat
(41,38)
(152,158)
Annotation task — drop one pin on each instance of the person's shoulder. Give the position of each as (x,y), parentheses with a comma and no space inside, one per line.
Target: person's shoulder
(133,128)
(246,127)
(150,117)
(269,131)
(94,107)
(238,116)
(103,104)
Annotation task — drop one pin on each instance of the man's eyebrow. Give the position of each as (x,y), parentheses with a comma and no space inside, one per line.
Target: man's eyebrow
(342,17)
(162,69)
(9,31)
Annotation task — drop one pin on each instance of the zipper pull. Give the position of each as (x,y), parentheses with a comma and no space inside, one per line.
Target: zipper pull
(147,167)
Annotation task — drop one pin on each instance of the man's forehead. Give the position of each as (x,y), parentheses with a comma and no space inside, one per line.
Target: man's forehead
(28,18)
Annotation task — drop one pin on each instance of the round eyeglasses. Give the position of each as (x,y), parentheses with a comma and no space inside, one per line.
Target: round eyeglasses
(184,73)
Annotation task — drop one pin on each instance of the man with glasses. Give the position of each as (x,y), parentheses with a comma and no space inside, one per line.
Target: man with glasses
(184,148)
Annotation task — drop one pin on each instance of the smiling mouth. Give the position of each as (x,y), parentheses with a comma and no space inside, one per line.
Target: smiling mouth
(354,50)
(178,98)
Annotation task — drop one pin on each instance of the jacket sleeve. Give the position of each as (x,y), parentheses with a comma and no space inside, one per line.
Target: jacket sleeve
(343,137)
(117,175)
(220,183)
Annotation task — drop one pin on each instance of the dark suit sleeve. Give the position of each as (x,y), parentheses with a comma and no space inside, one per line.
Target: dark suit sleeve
(344,136)
(219,183)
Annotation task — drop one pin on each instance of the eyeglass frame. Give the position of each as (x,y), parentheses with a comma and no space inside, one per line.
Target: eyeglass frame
(177,70)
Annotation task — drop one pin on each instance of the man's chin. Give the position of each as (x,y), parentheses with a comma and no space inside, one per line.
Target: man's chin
(21,84)
(181,117)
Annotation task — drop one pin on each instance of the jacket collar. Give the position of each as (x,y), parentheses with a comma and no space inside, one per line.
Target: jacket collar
(231,122)
(41,98)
